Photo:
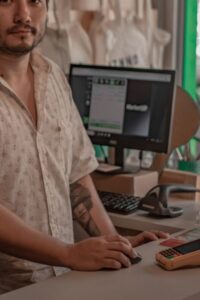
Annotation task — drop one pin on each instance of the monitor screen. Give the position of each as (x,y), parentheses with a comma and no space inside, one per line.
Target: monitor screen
(123,107)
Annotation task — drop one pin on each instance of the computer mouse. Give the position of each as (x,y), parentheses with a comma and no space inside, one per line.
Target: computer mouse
(136,259)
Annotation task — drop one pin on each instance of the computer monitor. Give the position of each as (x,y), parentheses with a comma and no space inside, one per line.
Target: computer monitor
(125,107)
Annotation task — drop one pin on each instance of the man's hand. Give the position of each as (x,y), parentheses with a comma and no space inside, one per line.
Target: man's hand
(147,236)
(109,252)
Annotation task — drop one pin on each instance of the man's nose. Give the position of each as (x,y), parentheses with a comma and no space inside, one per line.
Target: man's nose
(22,12)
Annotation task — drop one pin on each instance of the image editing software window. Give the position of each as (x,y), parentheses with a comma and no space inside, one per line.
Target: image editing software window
(127,108)
(109,93)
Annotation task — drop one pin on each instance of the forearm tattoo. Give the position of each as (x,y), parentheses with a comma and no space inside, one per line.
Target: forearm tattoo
(81,206)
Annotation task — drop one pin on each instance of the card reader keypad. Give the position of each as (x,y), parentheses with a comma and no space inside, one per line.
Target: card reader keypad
(170,253)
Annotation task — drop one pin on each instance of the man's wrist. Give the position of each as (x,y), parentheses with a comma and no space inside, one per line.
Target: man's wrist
(65,255)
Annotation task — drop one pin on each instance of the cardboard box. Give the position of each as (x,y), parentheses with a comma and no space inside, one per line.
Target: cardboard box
(183,177)
(137,184)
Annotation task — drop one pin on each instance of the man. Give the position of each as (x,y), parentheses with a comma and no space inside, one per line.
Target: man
(45,159)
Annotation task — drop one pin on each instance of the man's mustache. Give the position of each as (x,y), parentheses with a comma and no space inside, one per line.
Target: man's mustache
(21,27)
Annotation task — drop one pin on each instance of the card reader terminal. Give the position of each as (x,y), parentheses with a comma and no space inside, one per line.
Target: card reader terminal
(187,254)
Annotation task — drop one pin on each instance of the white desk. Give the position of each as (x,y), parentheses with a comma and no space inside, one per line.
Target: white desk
(141,220)
(143,281)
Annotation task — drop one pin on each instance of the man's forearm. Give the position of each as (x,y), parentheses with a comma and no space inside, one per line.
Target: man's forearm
(88,209)
(20,240)
(17,239)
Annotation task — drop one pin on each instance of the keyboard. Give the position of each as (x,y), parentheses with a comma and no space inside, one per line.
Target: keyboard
(118,202)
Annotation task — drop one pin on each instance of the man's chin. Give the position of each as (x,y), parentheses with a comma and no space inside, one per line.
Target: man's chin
(17,51)
(22,48)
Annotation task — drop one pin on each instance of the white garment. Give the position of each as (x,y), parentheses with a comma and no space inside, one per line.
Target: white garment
(146,20)
(118,42)
(80,49)
(55,44)
(66,41)
(86,5)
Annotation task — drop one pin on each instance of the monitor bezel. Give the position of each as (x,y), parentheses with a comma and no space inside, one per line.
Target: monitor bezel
(139,143)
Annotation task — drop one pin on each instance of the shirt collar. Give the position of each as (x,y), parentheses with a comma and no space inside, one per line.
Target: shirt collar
(39,62)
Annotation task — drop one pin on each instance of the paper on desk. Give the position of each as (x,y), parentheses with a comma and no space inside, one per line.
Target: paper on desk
(190,235)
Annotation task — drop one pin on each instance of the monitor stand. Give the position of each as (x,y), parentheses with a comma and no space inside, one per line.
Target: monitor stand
(116,166)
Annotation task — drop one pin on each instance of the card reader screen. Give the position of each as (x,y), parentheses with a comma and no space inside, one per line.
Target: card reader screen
(188,247)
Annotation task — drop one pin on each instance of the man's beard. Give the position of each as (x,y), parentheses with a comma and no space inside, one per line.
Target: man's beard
(21,50)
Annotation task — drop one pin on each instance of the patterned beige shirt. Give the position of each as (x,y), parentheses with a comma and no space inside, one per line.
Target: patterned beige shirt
(38,164)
